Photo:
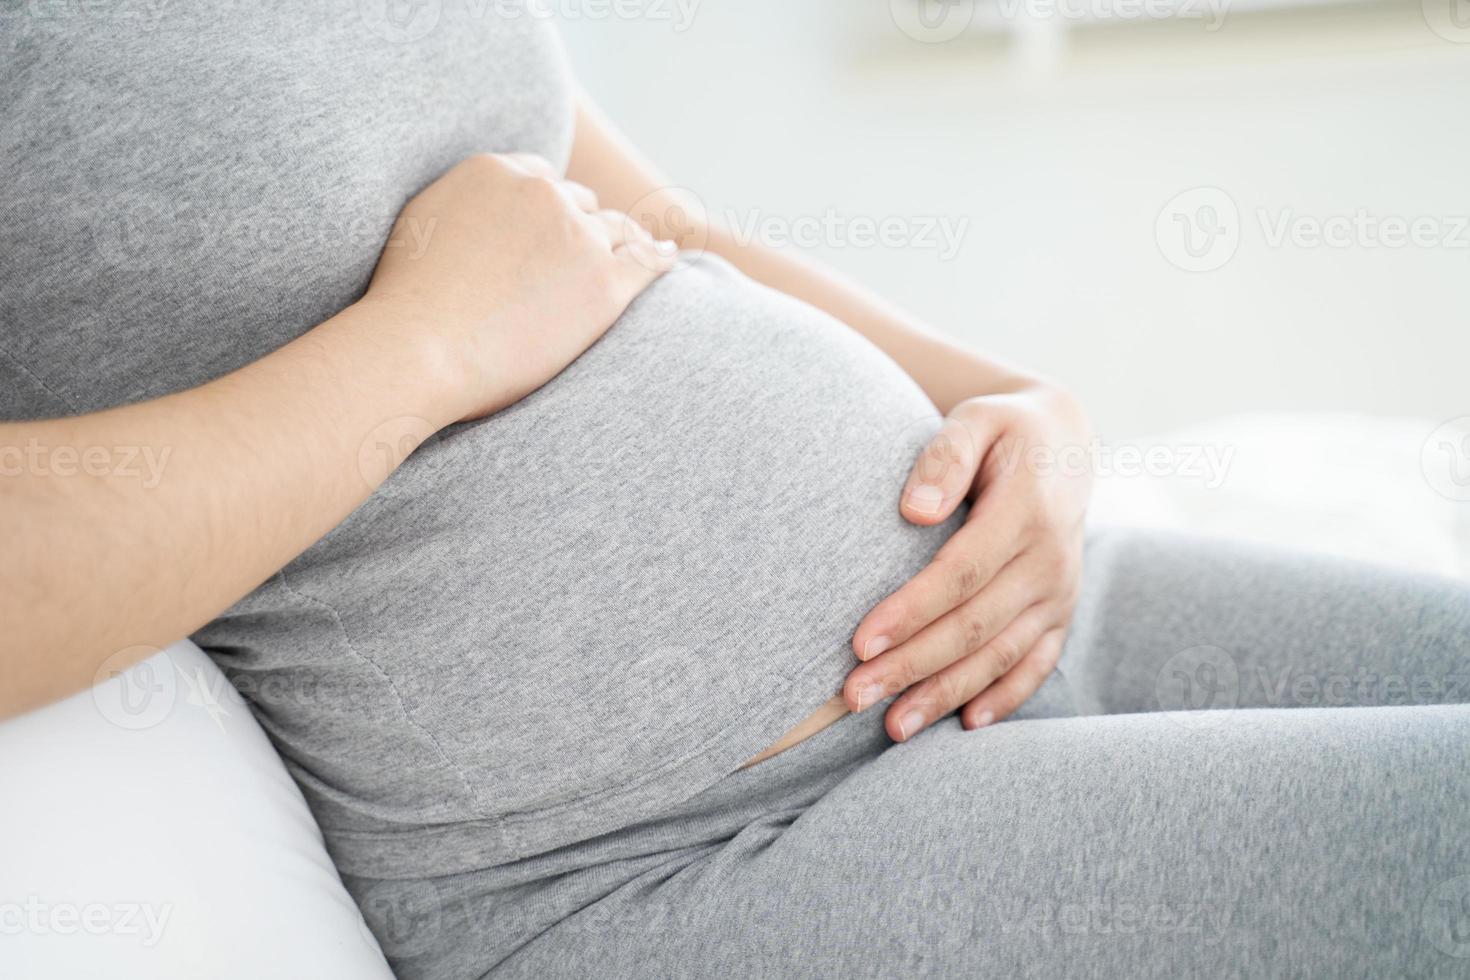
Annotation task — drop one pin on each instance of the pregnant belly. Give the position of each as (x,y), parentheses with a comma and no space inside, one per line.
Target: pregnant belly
(616,591)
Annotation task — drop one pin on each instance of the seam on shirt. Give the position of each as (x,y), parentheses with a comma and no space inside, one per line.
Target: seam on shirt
(509,824)
(475,801)
(701,749)
(65,402)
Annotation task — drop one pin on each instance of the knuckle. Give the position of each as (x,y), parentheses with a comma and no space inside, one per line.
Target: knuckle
(898,611)
(948,692)
(905,672)
(541,189)
(1055,562)
(963,577)
(978,623)
(1006,653)
(901,676)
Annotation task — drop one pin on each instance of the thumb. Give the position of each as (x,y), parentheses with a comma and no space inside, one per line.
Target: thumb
(944,473)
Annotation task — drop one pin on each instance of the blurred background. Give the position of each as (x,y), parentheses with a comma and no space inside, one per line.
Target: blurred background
(1234,225)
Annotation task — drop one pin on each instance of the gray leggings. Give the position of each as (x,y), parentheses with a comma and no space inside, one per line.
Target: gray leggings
(1102,832)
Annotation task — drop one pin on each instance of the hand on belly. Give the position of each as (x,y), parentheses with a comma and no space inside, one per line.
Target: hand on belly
(981,627)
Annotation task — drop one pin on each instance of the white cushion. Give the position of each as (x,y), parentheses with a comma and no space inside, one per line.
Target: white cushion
(148,829)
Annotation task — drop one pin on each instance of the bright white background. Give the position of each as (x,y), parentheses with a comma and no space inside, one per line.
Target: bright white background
(1062,161)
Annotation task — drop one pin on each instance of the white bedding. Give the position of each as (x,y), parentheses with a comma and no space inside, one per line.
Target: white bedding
(1353,485)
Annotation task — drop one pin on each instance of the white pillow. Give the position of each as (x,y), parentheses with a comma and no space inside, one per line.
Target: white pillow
(148,829)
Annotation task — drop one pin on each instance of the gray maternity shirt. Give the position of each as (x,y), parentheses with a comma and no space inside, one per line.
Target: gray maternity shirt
(546,624)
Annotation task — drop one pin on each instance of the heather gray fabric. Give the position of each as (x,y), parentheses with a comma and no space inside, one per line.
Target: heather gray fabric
(546,624)
(1095,836)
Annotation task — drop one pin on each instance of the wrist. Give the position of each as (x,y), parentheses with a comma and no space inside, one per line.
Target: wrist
(428,360)
(1065,409)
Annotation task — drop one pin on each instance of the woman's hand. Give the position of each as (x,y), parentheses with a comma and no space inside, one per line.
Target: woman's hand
(498,275)
(515,270)
(981,627)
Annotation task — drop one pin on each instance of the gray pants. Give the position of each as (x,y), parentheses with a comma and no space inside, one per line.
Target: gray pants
(1104,832)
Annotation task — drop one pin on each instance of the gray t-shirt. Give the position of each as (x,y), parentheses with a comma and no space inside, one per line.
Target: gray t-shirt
(548,624)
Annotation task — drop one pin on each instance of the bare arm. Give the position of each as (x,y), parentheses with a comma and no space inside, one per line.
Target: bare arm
(254,467)
(248,471)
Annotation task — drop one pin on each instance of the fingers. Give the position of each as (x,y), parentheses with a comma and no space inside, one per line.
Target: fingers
(619,228)
(642,260)
(946,691)
(952,638)
(1003,697)
(960,569)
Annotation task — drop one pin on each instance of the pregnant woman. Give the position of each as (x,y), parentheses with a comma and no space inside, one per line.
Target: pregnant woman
(634,614)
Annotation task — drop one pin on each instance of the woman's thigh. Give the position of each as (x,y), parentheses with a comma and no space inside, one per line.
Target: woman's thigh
(1171,622)
(1310,843)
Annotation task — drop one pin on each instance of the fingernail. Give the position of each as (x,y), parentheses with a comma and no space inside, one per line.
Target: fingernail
(665,247)
(910,724)
(984,719)
(926,499)
(875,646)
(869,694)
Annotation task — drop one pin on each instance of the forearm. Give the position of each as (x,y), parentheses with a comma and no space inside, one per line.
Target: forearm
(228,482)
